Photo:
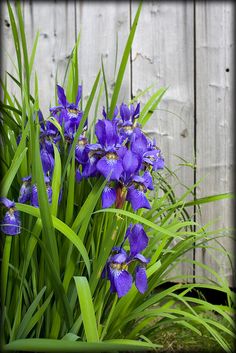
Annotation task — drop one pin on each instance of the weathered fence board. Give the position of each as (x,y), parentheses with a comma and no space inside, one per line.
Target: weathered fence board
(163,54)
(185,46)
(100,24)
(214,104)
(56,23)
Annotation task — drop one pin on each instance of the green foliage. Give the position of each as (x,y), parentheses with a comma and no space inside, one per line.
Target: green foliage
(52,296)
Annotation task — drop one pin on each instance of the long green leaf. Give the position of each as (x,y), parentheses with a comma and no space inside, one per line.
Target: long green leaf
(28,315)
(61,227)
(123,63)
(50,345)
(87,309)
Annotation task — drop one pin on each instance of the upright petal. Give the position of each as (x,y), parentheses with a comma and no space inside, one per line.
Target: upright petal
(79,95)
(131,162)
(124,112)
(61,96)
(100,132)
(138,239)
(141,279)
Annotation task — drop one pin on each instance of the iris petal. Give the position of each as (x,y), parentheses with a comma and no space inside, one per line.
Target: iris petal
(141,279)
(130,162)
(11,223)
(137,199)
(138,239)
(61,96)
(123,282)
(108,196)
(111,168)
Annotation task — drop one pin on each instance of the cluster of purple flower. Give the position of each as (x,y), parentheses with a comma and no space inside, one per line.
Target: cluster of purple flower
(116,269)
(123,154)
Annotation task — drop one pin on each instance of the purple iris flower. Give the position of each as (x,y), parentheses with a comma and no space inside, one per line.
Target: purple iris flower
(70,115)
(147,151)
(136,192)
(47,161)
(115,118)
(10,224)
(106,151)
(34,193)
(81,153)
(117,266)
(129,124)
(25,190)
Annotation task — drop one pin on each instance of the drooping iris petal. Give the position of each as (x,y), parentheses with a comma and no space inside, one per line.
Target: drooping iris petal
(6,202)
(139,143)
(34,193)
(148,180)
(138,239)
(25,191)
(108,196)
(34,196)
(49,192)
(81,153)
(141,279)
(131,162)
(122,282)
(61,96)
(158,164)
(137,198)
(10,224)
(47,161)
(110,166)
(78,175)
(141,258)
(90,168)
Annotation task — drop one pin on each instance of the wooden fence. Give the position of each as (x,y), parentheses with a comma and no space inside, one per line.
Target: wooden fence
(186,46)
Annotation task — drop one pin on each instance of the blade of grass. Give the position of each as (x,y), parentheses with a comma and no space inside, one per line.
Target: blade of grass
(87,309)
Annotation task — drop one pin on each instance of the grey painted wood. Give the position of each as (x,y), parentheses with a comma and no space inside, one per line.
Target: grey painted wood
(7,51)
(56,24)
(214,108)
(163,54)
(99,24)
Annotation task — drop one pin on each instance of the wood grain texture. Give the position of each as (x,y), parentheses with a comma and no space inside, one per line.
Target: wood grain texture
(214,104)
(56,24)
(8,55)
(100,23)
(163,54)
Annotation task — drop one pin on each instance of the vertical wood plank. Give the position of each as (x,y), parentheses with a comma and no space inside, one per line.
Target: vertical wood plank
(56,24)
(7,49)
(214,104)
(163,54)
(99,22)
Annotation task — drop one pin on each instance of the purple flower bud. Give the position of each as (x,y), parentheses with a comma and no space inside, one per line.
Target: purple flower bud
(10,224)
(25,191)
